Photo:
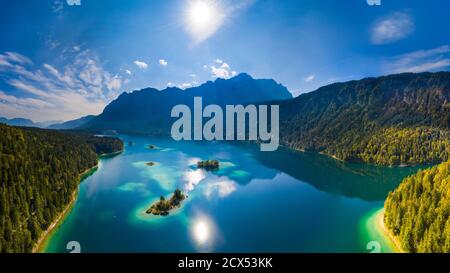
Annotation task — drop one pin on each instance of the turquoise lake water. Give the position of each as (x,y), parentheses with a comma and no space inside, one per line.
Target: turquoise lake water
(283,201)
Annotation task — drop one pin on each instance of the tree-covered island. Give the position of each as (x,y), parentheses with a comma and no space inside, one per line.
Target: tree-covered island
(208,165)
(163,206)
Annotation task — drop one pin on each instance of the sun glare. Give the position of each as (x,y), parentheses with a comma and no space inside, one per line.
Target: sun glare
(201,231)
(201,13)
(203,18)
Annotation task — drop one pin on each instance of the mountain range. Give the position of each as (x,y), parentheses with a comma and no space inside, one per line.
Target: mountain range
(26,122)
(388,120)
(72,124)
(147,111)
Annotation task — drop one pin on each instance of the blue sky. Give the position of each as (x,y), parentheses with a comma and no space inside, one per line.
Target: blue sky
(62,59)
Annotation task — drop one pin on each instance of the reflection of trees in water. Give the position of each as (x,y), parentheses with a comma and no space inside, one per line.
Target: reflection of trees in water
(368,182)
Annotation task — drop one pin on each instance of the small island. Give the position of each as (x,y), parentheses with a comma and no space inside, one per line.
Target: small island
(151,147)
(163,206)
(208,165)
(151,163)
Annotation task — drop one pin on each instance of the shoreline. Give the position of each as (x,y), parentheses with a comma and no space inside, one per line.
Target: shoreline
(393,239)
(399,165)
(40,245)
(109,155)
(376,220)
(43,240)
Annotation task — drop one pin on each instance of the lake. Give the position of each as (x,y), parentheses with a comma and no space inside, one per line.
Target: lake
(283,201)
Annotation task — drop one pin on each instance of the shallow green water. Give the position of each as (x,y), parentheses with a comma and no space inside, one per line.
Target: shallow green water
(282,201)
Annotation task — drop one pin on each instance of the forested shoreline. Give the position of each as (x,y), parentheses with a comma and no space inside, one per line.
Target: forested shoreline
(418,211)
(390,120)
(39,171)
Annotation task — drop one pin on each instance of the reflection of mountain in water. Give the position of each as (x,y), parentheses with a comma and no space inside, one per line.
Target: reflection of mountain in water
(368,182)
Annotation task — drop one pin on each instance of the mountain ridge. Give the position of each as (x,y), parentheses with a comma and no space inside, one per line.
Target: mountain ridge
(71,124)
(342,119)
(26,122)
(148,110)
(387,120)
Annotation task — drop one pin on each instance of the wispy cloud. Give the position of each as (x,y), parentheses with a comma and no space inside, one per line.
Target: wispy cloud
(45,92)
(9,59)
(309,78)
(420,61)
(392,28)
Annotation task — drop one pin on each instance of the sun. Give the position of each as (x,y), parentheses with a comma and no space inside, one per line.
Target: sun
(201,13)
(203,18)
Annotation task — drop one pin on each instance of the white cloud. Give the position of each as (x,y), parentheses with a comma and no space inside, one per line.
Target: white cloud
(219,61)
(205,66)
(79,88)
(193,76)
(141,65)
(128,71)
(223,71)
(163,62)
(420,61)
(310,78)
(396,26)
(169,84)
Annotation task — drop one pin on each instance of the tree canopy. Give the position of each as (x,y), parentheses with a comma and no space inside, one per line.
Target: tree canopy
(39,172)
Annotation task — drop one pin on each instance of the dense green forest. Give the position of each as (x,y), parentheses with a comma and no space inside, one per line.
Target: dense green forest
(418,212)
(395,146)
(39,172)
(389,120)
